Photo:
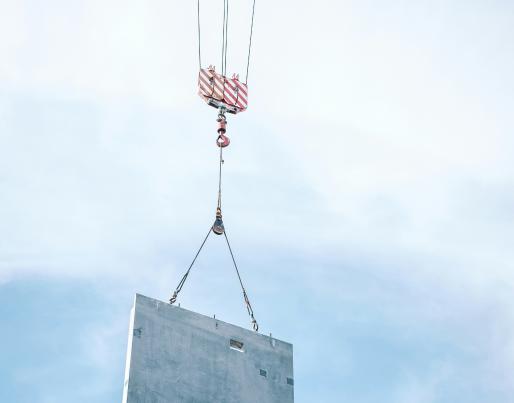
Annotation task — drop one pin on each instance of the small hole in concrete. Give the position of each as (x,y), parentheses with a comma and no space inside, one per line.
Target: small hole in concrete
(263,373)
(290,381)
(236,345)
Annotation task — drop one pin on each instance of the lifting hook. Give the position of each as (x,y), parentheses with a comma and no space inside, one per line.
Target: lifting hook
(222,140)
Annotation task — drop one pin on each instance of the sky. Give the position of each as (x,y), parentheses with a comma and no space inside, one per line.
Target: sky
(368,191)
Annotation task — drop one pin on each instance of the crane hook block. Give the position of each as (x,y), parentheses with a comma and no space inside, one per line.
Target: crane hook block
(218,227)
(220,91)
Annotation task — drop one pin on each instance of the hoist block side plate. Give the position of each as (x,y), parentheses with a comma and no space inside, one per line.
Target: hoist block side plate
(216,88)
(175,355)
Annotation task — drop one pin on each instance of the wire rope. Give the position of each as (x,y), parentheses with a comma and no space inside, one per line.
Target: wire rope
(223,38)
(226,41)
(245,295)
(184,278)
(250,43)
(219,178)
(199,37)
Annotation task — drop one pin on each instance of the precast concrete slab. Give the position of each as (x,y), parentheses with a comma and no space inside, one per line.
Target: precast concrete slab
(178,356)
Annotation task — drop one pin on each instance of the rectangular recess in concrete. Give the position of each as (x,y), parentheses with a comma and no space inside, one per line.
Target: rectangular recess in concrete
(178,356)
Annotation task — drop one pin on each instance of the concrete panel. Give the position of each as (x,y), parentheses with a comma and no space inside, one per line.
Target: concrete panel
(178,356)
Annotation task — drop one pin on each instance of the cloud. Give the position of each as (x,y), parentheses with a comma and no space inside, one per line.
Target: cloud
(371,176)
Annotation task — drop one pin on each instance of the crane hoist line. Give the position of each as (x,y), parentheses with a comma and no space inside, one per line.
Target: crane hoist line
(227,95)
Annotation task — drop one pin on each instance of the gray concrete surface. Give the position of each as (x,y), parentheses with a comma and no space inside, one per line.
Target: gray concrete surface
(178,356)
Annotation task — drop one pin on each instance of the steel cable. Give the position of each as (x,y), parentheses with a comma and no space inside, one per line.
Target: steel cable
(223,39)
(245,295)
(184,278)
(219,178)
(199,38)
(250,44)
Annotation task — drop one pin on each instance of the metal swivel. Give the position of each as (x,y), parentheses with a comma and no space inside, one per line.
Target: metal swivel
(218,227)
(222,123)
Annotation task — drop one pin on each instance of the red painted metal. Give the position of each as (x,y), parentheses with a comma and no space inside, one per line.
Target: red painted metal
(222,141)
(222,92)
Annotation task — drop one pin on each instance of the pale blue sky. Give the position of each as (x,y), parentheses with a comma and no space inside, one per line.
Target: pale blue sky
(369,191)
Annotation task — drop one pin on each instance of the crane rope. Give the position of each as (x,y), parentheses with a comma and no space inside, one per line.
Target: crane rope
(184,277)
(224,39)
(226,42)
(245,295)
(199,37)
(219,178)
(250,43)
